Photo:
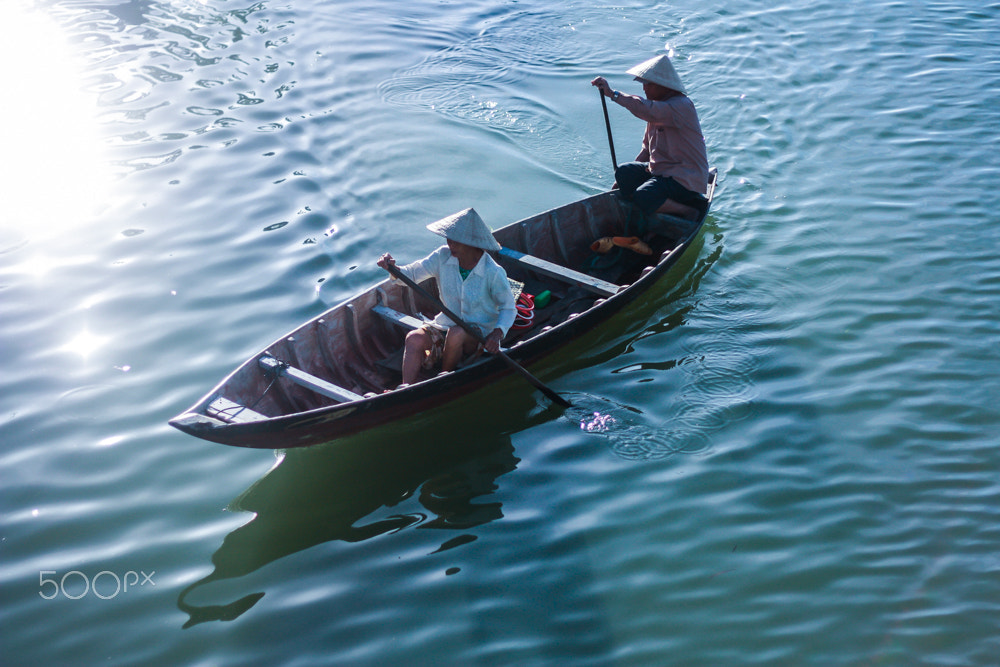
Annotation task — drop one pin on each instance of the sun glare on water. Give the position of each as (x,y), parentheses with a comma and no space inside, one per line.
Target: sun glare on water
(85,344)
(53,174)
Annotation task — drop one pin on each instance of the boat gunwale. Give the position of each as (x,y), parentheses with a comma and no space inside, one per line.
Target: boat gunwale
(468,378)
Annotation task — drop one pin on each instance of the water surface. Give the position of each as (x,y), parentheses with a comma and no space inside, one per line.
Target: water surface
(802,464)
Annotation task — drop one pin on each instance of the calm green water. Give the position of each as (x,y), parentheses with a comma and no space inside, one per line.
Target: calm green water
(804,464)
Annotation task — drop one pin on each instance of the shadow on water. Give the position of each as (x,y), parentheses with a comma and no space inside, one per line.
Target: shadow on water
(322,494)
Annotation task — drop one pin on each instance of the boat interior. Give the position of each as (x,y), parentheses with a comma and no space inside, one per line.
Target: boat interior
(354,350)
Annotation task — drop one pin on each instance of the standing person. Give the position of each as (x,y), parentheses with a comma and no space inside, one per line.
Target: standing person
(673,163)
(472,286)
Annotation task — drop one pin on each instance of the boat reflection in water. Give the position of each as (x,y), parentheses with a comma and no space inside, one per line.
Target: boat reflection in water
(322,494)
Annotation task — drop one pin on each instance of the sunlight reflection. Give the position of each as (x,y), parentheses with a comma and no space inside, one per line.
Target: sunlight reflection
(38,265)
(54,174)
(85,344)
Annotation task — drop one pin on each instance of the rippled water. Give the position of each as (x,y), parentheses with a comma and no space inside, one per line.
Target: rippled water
(798,464)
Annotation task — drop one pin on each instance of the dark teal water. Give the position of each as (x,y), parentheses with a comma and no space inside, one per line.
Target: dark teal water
(803,466)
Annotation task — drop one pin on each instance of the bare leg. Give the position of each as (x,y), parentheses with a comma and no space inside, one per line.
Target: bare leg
(456,344)
(417,344)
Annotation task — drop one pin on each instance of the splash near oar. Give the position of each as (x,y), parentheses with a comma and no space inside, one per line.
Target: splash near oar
(632,434)
(598,423)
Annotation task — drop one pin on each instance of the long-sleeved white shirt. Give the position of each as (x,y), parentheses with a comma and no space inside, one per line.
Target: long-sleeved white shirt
(484,299)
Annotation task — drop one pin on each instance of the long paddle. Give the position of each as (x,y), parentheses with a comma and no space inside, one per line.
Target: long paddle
(396,273)
(607,124)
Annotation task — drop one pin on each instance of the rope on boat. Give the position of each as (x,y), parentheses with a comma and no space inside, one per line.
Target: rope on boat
(235,410)
(525,311)
(276,373)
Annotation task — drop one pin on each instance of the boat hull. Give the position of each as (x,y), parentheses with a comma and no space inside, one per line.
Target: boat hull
(300,421)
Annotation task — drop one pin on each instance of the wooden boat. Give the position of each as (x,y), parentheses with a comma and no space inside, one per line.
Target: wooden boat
(329,377)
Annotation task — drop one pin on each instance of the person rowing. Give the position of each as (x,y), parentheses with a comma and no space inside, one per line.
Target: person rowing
(471,285)
(673,162)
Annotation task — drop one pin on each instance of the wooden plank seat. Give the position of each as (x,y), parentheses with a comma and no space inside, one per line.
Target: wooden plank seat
(596,285)
(679,210)
(685,212)
(396,317)
(231,412)
(300,377)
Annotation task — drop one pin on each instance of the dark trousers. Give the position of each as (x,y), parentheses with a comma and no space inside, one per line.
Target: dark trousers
(648,192)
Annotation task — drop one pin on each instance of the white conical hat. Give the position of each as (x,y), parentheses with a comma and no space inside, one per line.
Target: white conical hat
(466,227)
(659,70)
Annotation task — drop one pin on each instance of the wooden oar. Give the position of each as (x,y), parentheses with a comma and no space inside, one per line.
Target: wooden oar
(556,398)
(607,124)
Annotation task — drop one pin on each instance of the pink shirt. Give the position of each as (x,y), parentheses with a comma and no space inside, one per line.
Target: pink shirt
(673,144)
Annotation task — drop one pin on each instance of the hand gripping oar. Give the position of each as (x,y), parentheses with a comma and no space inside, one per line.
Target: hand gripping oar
(607,124)
(556,398)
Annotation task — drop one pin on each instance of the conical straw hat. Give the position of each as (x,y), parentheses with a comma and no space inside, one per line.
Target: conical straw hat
(466,227)
(659,70)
